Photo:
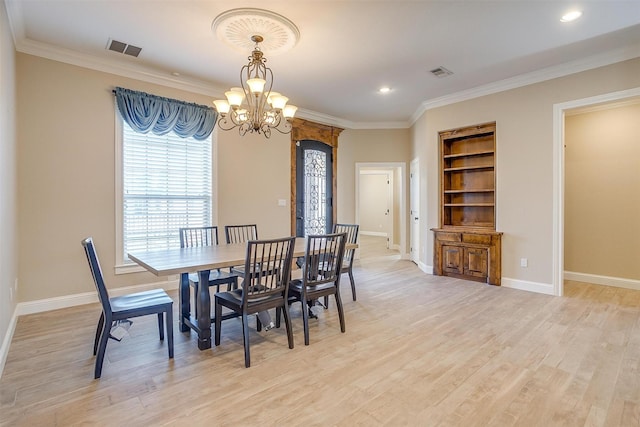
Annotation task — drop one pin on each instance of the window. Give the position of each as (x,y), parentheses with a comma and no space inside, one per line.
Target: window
(166,183)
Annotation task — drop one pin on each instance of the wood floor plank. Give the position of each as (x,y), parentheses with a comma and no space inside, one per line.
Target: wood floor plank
(418,350)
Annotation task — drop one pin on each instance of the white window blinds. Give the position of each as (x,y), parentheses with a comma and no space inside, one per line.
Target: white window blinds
(166,184)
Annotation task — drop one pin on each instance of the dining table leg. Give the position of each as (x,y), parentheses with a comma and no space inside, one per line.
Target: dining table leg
(185,301)
(204,311)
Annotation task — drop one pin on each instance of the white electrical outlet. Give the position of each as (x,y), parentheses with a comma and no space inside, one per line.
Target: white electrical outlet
(282,202)
(523,262)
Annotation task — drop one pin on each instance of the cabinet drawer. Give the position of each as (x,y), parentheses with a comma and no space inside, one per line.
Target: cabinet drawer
(479,239)
(448,237)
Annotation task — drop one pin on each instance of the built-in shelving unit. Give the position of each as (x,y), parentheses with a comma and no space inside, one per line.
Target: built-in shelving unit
(466,244)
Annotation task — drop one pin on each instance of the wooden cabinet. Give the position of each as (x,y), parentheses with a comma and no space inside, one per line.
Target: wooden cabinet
(466,245)
(472,254)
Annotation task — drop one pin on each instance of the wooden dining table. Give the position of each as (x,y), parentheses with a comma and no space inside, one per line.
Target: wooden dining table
(202,260)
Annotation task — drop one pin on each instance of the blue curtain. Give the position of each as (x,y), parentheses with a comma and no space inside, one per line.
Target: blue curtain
(145,112)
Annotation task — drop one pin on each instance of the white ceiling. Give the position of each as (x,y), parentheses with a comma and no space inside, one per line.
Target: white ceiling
(347,49)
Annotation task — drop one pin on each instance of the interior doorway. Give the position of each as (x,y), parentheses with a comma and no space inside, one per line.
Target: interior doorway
(376,204)
(559,111)
(393,195)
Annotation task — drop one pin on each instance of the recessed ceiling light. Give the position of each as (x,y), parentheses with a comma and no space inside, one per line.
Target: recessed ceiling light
(571,16)
(384,89)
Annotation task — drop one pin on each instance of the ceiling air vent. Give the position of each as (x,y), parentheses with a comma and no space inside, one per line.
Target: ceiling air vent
(120,47)
(441,72)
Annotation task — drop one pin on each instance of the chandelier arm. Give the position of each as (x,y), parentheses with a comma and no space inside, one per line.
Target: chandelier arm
(223,122)
(287,127)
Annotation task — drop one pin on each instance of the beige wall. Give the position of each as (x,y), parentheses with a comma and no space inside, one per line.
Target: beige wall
(524,145)
(67,174)
(602,192)
(370,146)
(254,173)
(373,193)
(8,207)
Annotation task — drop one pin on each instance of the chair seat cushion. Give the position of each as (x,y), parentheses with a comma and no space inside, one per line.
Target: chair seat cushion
(236,296)
(150,298)
(296,285)
(215,276)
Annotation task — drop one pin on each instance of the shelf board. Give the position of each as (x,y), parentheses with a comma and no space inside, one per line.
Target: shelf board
(476,153)
(486,190)
(464,205)
(466,168)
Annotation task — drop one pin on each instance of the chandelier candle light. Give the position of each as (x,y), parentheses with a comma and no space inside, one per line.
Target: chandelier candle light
(254,107)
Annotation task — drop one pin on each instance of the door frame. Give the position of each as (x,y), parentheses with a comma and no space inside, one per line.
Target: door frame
(558,175)
(307,130)
(414,238)
(400,167)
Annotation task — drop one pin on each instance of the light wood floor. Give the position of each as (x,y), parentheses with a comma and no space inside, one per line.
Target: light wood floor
(418,350)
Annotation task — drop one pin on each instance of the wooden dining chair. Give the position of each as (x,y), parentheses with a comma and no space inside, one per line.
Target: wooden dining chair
(205,236)
(320,276)
(265,289)
(349,254)
(241,233)
(124,307)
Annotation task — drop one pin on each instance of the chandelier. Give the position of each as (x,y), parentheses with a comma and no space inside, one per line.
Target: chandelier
(254,107)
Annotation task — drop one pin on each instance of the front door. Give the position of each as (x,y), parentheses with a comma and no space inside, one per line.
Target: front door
(314,188)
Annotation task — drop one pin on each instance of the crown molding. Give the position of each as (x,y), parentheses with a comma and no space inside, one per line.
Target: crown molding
(549,73)
(16,20)
(347,124)
(116,67)
(133,71)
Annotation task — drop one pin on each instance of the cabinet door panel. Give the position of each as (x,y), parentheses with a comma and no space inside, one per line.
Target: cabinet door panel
(476,262)
(452,259)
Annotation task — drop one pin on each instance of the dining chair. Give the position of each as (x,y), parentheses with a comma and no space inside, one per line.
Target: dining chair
(324,255)
(205,236)
(265,289)
(349,254)
(124,307)
(241,233)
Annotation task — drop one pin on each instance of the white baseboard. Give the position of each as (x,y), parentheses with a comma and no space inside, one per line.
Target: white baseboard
(425,268)
(602,280)
(6,343)
(39,306)
(373,233)
(523,285)
(55,303)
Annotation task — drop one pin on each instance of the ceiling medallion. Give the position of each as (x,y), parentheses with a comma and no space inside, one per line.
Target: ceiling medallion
(236,27)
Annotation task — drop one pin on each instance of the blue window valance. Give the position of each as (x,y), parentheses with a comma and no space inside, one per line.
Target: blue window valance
(149,113)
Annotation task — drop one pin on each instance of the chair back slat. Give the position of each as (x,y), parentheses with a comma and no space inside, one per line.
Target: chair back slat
(352,237)
(241,233)
(96,272)
(198,236)
(269,262)
(323,258)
